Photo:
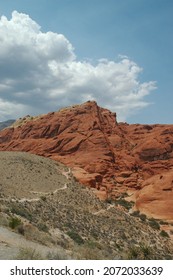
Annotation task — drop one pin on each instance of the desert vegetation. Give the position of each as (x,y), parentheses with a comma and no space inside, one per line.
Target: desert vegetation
(72,223)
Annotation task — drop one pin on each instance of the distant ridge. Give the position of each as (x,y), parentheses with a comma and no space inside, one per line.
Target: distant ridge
(6,124)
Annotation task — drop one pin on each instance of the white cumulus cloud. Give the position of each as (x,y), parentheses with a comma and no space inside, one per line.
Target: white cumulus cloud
(39,72)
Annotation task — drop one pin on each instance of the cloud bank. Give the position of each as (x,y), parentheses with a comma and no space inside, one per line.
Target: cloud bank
(39,72)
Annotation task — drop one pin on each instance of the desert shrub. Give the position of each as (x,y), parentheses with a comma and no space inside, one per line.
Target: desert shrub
(163,233)
(108,200)
(143,252)
(93,244)
(76,237)
(21,211)
(90,250)
(33,233)
(43,227)
(62,242)
(132,253)
(124,194)
(43,198)
(139,215)
(86,253)
(143,217)
(14,222)
(126,204)
(163,222)
(146,251)
(168,257)
(135,213)
(59,255)
(154,224)
(28,254)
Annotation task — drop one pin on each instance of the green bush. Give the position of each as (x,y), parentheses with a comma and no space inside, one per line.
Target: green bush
(143,252)
(21,211)
(139,215)
(143,217)
(126,204)
(76,237)
(163,233)
(163,222)
(154,224)
(93,244)
(43,227)
(135,213)
(14,222)
(133,253)
(146,251)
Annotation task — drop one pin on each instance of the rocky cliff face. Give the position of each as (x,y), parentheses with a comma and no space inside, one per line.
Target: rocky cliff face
(110,157)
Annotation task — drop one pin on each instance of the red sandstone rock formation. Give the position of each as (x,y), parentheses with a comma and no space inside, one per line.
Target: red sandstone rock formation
(155,198)
(108,156)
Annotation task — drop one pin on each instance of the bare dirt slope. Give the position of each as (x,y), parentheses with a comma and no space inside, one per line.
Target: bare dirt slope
(29,176)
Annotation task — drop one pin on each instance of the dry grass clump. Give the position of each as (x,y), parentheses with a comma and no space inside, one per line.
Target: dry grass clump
(28,254)
(140,252)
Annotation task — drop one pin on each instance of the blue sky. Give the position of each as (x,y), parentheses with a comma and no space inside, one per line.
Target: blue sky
(140,30)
